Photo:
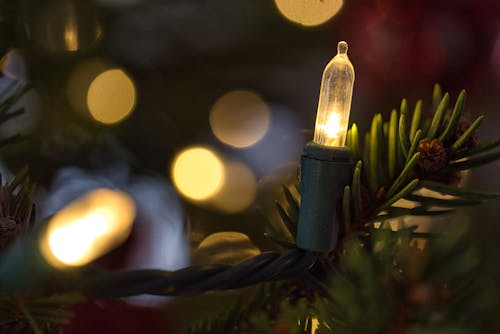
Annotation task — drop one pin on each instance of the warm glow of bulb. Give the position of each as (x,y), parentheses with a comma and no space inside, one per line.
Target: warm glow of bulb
(332,127)
(309,12)
(89,227)
(197,173)
(240,118)
(335,96)
(239,189)
(111,96)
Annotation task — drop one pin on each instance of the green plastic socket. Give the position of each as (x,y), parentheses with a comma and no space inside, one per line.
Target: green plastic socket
(324,172)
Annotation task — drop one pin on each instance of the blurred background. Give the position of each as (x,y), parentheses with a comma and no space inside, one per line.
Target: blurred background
(200,108)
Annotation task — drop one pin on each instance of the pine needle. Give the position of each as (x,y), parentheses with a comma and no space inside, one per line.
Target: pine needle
(404,192)
(403,175)
(403,128)
(466,135)
(437,120)
(455,117)
(392,137)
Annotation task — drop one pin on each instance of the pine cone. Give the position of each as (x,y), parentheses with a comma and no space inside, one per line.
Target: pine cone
(433,157)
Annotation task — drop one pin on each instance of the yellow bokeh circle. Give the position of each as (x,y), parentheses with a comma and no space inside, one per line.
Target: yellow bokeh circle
(309,12)
(111,96)
(240,118)
(197,173)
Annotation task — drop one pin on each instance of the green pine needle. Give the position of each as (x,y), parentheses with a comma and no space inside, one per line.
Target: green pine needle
(455,117)
(437,96)
(459,192)
(374,154)
(289,223)
(474,162)
(392,147)
(346,207)
(403,129)
(355,145)
(293,205)
(403,176)
(478,149)
(414,145)
(466,135)
(437,120)
(441,202)
(416,119)
(404,192)
(356,192)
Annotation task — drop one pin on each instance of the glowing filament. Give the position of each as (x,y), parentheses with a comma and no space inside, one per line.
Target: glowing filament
(335,100)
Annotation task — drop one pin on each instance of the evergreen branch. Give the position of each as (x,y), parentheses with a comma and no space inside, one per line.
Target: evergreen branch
(437,96)
(416,119)
(437,120)
(346,207)
(476,150)
(466,135)
(404,192)
(474,162)
(403,175)
(392,147)
(374,153)
(459,192)
(403,129)
(455,117)
(432,201)
(356,192)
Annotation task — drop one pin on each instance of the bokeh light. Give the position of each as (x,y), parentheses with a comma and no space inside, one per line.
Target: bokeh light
(240,118)
(309,12)
(225,248)
(111,96)
(197,173)
(67,25)
(79,82)
(88,228)
(239,189)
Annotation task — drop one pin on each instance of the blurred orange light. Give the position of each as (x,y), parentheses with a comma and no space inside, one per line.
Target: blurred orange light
(239,189)
(240,118)
(111,96)
(88,228)
(198,173)
(309,12)
(225,248)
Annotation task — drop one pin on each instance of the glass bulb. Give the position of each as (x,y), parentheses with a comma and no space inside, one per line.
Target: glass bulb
(335,100)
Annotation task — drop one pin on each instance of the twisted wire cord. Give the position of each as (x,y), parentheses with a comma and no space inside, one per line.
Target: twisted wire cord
(269,266)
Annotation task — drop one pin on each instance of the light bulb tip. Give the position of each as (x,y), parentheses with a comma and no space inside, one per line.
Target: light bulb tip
(342,47)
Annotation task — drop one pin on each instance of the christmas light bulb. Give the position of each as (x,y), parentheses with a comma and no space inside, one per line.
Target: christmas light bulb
(335,97)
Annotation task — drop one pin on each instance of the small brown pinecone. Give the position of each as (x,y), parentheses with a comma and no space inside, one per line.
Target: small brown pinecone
(462,126)
(433,157)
